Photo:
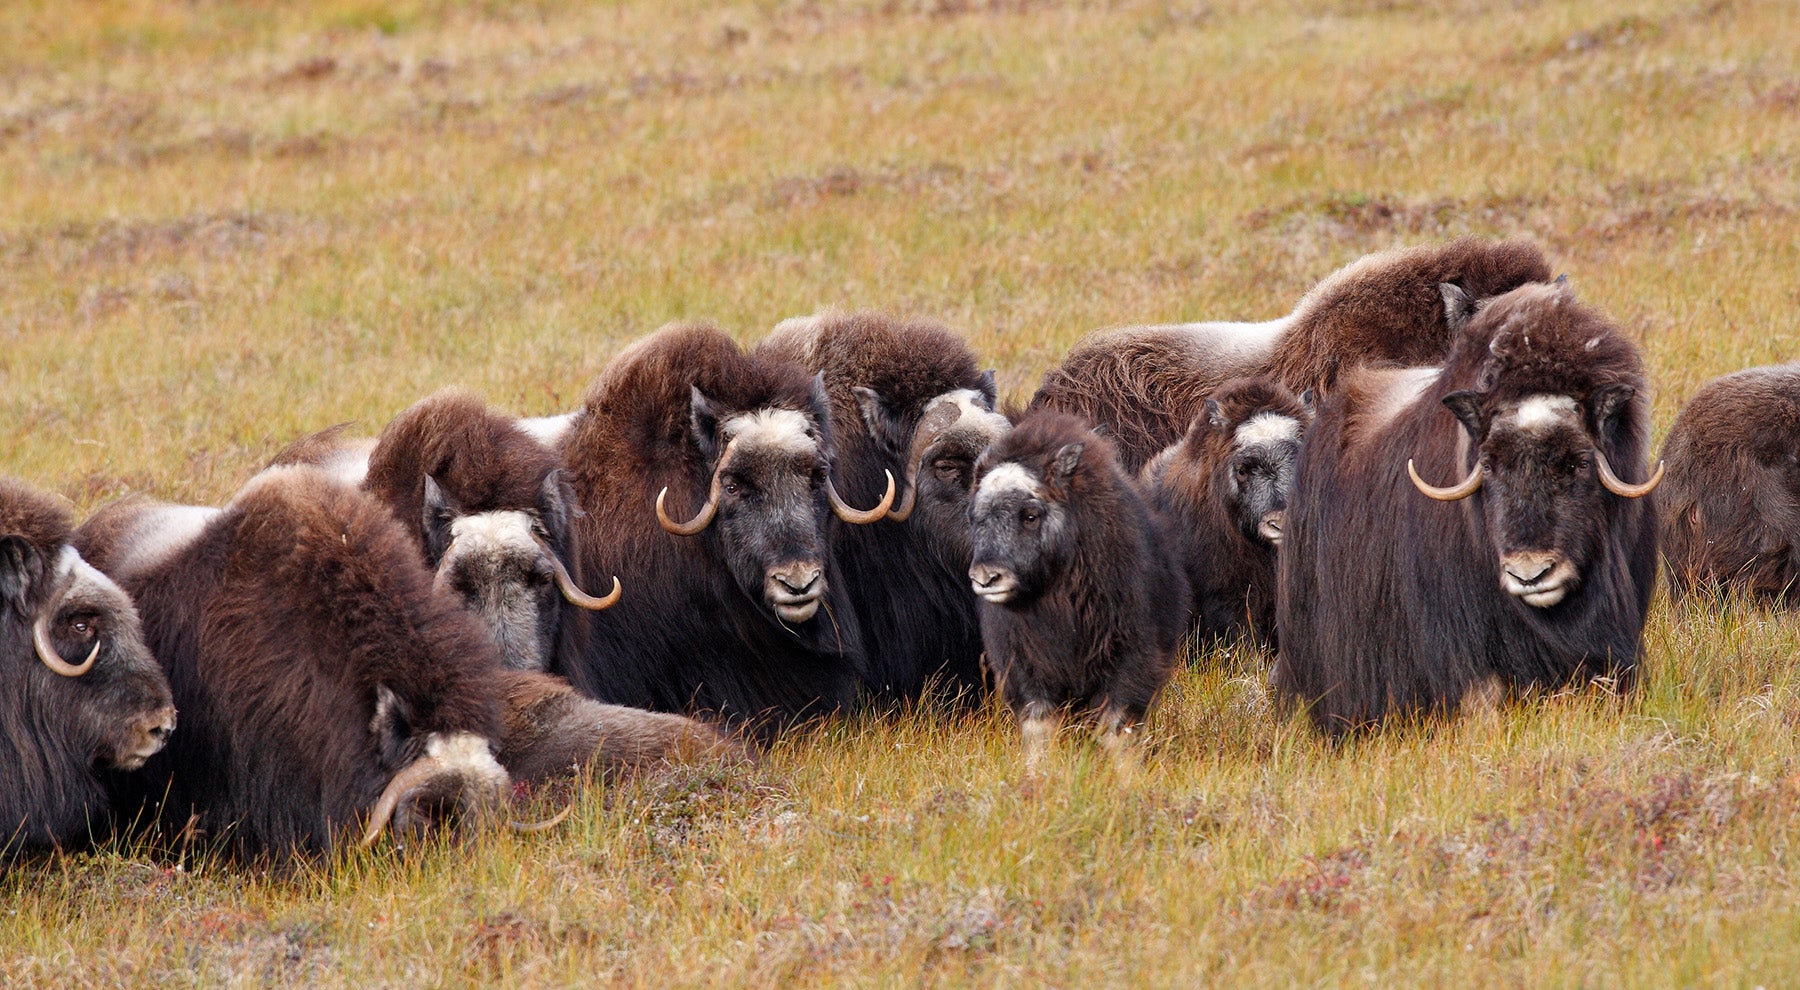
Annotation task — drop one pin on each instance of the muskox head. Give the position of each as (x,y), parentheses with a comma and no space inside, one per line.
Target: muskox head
(80,675)
(1260,425)
(939,456)
(1548,402)
(1019,523)
(507,567)
(769,497)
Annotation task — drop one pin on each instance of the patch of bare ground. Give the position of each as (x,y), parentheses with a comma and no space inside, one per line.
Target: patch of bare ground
(210,236)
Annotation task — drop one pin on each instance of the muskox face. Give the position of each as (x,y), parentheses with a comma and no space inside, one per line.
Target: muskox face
(1543,481)
(503,566)
(79,662)
(939,458)
(770,469)
(1020,532)
(1256,477)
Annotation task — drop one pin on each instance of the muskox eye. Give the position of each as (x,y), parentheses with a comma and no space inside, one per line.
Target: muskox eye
(1028,516)
(731,488)
(947,469)
(83,628)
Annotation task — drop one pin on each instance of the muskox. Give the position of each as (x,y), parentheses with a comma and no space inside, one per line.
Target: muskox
(1083,602)
(1224,488)
(703,478)
(65,722)
(1534,568)
(325,688)
(907,400)
(1146,385)
(1730,509)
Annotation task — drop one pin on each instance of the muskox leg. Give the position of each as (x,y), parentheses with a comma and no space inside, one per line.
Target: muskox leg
(1038,724)
(1483,697)
(1118,732)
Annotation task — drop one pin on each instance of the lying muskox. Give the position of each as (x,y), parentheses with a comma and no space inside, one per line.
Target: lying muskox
(1083,601)
(1146,385)
(1730,508)
(1535,568)
(703,478)
(1224,488)
(907,400)
(64,722)
(325,689)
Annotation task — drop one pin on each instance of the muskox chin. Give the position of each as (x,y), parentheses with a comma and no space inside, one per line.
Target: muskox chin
(1392,602)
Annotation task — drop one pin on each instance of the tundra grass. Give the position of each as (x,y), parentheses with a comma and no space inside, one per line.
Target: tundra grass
(225,224)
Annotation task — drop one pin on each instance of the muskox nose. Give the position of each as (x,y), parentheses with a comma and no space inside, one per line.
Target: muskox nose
(798,580)
(1528,571)
(996,584)
(794,590)
(1271,525)
(1540,578)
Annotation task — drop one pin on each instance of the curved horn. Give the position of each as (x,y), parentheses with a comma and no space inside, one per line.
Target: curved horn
(1461,491)
(545,825)
(46,650)
(576,596)
(857,516)
(1623,489)
(415,773)
(704,517)
(924,436)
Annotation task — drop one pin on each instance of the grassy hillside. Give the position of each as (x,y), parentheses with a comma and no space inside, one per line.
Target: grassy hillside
(222,225)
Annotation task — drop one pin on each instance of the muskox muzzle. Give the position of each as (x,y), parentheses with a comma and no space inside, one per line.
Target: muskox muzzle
(794,590)
(993,583)
(1539,578)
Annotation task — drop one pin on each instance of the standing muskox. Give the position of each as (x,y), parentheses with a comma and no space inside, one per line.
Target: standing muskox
(907,400)
(1083,604)
(739,609)
(1146,385)
(62,723)
(1224,488)
(323,685)
(1730,509)
(1534,569)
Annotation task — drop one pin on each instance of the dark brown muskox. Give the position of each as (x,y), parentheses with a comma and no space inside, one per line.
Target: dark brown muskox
(907,400)
(63,721)
(1224,489)
(324,686)
(703,476)
(1083,602)
(1730,508)
(1146,385)
(1533,569)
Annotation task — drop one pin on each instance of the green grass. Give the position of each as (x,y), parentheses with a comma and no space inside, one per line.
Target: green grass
(223,225)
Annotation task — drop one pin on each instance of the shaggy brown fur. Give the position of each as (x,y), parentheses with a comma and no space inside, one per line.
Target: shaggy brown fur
(1145,385)
(552,729)
(909,580)
(1230,568)
(281,627)
(1730,506)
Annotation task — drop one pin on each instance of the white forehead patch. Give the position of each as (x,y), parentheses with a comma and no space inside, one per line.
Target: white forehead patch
(783,430)
(1542,412)
(1009,476)
(507,530)
(971,410)
(1266,428)
(160,532)
(548,430)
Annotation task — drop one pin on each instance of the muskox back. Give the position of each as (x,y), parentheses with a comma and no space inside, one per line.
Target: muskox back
(312,662)
(1730,509)
(1146,385)
(907,401)
(1532,572)
(79,693)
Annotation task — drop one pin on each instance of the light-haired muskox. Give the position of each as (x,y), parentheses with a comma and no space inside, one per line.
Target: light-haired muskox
(907,400)
(1730,508)
(1224,489)
(703,476)
(1146,385)
(1083,602)
(324,687)
(1533,568)
(81,695)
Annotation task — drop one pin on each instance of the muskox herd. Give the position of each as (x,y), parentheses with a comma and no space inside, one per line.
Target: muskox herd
(1425,487)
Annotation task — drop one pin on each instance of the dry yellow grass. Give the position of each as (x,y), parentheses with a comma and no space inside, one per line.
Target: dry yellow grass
(222,225)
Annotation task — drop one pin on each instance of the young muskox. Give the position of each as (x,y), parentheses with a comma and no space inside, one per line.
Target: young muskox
(1224,489)
(1146,385)
(907,400)
(62,722)
(323,685)
(1730,509)
(1083,604)
(737,610)
(1533,570)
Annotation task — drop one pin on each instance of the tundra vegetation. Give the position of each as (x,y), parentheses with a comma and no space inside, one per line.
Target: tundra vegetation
(225,226)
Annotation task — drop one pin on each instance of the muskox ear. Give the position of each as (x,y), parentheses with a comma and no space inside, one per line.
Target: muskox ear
(1607,402)
(703,420)
(391,725)
(883,426)
(20,565)
(1215,416)
(437,511)
(989,389)
(1307,398)
(556,504)
(1458,306)
(1467,407)
(1063,465)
